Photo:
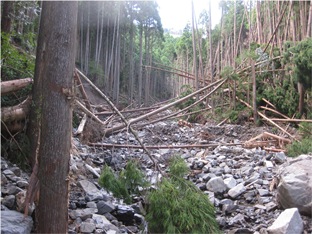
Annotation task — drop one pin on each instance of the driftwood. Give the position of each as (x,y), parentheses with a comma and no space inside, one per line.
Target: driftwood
(11,86)
(269,103)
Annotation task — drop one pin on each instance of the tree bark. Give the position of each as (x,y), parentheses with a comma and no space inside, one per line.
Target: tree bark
(6,21)
(55,66)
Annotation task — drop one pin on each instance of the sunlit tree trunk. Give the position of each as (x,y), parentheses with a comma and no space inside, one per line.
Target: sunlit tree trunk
(54,67)
(194,51)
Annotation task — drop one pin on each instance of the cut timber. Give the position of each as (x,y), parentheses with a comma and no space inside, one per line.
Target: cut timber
(11,86)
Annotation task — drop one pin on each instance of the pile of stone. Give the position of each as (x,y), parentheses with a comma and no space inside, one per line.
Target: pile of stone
(253,191)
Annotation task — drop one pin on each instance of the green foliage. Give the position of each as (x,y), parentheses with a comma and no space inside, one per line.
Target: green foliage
(305,145)
(126,183)
(17,150)
(300,56)
(16,64)
(178,206)
(185,90)
(300,147)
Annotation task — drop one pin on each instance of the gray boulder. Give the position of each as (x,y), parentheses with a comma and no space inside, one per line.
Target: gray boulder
(216,185)
(14,222)
(295,187)
(288,222)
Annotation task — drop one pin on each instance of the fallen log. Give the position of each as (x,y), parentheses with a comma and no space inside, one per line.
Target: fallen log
(11,86)
(123,119)
(267,119)
(82,91)
(89,113)
(104,145)
(13,117)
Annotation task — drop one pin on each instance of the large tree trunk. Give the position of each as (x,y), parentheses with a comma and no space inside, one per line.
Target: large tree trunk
(54,67)
(6,21)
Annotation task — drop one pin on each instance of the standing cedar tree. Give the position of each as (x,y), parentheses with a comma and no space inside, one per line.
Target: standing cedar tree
(55,61)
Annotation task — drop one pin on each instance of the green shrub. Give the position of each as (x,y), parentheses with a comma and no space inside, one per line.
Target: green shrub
(126,183)
(178,206)
(300,147)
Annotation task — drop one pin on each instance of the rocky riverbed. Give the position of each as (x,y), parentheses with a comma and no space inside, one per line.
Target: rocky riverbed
(241,183)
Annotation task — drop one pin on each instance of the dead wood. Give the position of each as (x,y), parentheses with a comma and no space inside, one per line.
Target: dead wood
(267,119)
(219,82)
(104,145)
(14,117)
(11,86)
(82,91)
(274,111)
(292,120)
(269,103)
(123,119)
(81,125)
(89,113)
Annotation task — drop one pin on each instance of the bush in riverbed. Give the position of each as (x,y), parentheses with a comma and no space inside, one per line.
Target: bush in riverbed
(178,206)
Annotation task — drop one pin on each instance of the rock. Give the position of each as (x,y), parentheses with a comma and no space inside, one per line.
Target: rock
(87,227)
(280,157)
(230,182)
(237,190)
(105,207)
(92,191)
(125,214)
(268,164)
(263,192)
(288,222)
(22,183)
(13,222)
(93,171)
(91,205)
(9,201)
(295,187)
(82,213)
(216,185)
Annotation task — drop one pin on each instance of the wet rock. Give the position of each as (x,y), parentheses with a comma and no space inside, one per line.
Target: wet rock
(288,222)
(216,185)
(295,187)
(13,222)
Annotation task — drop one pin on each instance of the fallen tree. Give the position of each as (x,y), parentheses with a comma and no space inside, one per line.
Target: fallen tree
(11,86)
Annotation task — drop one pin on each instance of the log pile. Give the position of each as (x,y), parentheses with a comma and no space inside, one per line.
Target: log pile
(110,120)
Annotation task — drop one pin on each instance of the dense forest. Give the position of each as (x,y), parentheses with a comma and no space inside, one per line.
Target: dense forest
(122,47)
(260,53)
